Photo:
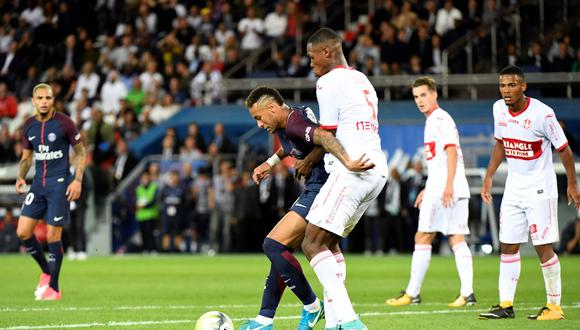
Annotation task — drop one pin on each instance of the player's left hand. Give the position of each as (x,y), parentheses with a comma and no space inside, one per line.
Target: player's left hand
(73,191)
(360,165)
(302,168)
(573,196)
(447,197)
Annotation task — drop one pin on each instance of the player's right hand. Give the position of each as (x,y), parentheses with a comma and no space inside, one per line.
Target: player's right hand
(360,165)
(419,199)
(486,190)
(261,172)
(20,185)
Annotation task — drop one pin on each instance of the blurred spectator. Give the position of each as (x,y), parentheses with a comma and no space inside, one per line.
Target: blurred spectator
(374,227)
(206,85)
(576,64)
(201,197)
(223,33)
(222,205)
(151,79)
(296,67)
(570,241)
(193,131)
(33,14)
(88,80)
(75,233)
(446,18)
(9,241)
(562,61)
(276,22)
(24,86)
(190,151)
(164,110)
(124,162)
(536,58)
(145,20)
(247,218)
(570,137)
(437,55)
(112,92)
(10,65)
(100,138)
(136,96)
(221,141)
(250,28)
(8,104)
(128,127)
(121,55)
(177,93)
(172,198)
(7,154)
(147,211)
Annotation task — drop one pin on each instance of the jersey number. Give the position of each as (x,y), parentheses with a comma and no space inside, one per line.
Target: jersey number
(371,105)
(29,198)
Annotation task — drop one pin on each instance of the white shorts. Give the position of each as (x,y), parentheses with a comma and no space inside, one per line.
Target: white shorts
(433,217)
(343,199)
(539,218)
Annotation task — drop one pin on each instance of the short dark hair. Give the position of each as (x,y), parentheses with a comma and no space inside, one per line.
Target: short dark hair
(512,70)
(261,92)
(324,35)
(425,81)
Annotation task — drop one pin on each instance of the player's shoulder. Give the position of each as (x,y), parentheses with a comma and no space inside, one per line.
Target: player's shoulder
(28,122)
(540,108)
(305,112)
(499,105)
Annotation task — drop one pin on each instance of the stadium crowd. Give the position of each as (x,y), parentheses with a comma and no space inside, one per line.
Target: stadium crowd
(118,68)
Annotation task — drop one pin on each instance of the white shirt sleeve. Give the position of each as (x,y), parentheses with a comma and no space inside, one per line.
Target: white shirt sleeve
(496,129)
(326,93)
(448,132)
(553,131)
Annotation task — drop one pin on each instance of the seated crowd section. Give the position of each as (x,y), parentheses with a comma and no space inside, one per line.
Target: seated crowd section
(119,68)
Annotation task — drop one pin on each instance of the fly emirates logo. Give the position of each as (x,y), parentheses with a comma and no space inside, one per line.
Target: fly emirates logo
(44,153)
(525,150)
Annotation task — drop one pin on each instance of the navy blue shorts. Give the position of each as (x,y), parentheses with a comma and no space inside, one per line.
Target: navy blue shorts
(48,203)
(304,202)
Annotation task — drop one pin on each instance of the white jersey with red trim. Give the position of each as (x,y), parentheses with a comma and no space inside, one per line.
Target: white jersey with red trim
(440,133)
(348,103)
(527,137)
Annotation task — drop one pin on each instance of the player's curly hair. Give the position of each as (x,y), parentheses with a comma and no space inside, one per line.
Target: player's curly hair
(261,94)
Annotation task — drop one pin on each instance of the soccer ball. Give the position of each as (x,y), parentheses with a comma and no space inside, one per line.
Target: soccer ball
(214,321)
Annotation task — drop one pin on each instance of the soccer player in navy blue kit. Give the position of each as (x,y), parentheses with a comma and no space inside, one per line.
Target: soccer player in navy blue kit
(299,135)
(46,138)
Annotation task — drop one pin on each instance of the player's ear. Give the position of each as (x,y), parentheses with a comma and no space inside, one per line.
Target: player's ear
(524,86)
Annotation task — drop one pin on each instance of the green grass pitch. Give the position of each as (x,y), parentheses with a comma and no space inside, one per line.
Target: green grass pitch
(171,292)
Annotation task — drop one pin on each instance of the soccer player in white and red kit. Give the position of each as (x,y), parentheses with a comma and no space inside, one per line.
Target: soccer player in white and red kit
(525,131)
(444,201)
(348,104)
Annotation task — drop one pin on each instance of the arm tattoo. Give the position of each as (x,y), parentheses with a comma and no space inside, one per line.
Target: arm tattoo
(80,157)
(24,165)
(327,140)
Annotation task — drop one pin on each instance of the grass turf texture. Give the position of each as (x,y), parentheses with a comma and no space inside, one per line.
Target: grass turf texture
(171,292)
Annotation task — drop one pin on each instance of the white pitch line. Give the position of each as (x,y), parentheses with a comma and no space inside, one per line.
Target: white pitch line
(221,307)
(289,317)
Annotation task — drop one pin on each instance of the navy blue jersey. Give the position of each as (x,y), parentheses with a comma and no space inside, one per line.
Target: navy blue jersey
(297,140)
(50,141)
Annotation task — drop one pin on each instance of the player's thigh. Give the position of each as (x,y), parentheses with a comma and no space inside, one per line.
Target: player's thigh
(542,218)
(58,207)
(35,204)
(513,224)
(458,215)
(430,215)
(289,230)
(343,199)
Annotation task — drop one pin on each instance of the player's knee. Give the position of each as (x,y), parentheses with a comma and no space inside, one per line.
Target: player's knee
(271,246)
(23,234)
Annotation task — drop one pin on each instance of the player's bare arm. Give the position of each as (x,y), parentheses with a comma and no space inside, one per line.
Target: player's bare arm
(23,168)
(263,170)
(329,142)
(304,167)
(419,199)
(497,156)
(447,197)
(73,191)
(572,190)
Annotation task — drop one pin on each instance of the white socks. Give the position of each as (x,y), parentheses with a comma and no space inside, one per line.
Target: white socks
(419,266)
(329,314)
(336,297)
(509,274)
(552,280)
(464,263)
(341,266)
